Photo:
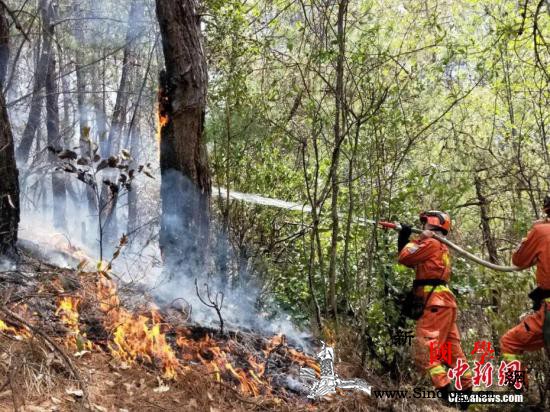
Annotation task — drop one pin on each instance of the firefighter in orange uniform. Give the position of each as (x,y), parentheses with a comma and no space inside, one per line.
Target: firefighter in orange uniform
(436,325)
(533,331)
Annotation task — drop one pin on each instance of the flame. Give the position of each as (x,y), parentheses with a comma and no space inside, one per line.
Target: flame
(67,310)
(217,360)
(142,338)
(162,115)
(18,334)
(135,337)
(298,357)
(162,120)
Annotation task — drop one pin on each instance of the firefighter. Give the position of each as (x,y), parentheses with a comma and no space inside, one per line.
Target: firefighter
(436,317)
(533,331)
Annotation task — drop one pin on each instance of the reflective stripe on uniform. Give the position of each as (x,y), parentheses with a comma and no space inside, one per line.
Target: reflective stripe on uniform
(547,300)
(511,356)
(439,288)
(437,370)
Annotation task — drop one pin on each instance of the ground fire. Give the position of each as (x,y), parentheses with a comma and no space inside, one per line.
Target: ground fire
(89,316)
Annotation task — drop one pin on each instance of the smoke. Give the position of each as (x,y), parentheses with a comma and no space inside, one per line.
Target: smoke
(106,24)
(243,306)
(140,263)
(6,265)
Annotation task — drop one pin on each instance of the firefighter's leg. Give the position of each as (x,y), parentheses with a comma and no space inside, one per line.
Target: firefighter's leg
(432,330)
(527,336)
(457,353)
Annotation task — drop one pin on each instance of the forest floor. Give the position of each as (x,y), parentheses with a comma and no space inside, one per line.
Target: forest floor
(38,373)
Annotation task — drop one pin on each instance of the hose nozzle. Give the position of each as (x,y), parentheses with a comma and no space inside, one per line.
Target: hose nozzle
(390,225)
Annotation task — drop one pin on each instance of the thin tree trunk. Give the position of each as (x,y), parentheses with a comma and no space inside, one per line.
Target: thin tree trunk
(338,126)
(347,236)
(35,110)
(100,117)
(121,103)
(186,185)
(108,201)
(59,195)
(9,184)
(85,142)
(132,194)
(488,239)
(4,45)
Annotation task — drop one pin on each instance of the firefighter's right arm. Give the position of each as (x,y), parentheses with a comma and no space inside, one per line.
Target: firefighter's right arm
(416,252)
(526,253)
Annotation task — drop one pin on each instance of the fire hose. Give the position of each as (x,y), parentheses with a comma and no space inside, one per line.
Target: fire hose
(266,201)
(456,248)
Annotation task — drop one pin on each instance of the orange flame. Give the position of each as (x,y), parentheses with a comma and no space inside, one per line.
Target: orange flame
(135,337)
(67,310)
(18,334)
(217,360)
(162,115)
(162,120)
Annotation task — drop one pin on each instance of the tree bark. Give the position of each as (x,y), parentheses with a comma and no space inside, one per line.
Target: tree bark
(132,193)
(186,184)
(9,184)
(85,142)
(4,45)
(121,103)
(488,239)
(100,118)
(52,116)
(338,137)
(35,110)
(108,201)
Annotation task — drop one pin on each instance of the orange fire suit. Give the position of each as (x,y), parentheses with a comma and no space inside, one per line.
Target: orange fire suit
(528,334)
(437,325)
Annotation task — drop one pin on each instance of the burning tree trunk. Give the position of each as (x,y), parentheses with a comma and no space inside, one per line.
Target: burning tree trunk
(52,117)
(186,185)
(9,185)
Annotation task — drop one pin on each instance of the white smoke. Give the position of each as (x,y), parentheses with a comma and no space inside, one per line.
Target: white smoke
(243,306)
(6,265)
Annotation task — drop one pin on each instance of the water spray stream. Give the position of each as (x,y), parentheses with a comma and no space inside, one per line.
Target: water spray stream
(282,204)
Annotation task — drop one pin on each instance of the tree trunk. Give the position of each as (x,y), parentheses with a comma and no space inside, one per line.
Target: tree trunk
(4,45)
(488,240)
(52,116)
(185,185)
(9,184)
(85,142)
(100,117)
(121,103)
(132,194)
(338,133)
(108,201)
(35,110)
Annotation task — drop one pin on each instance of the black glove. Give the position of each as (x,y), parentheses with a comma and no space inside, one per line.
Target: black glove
(404,235)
